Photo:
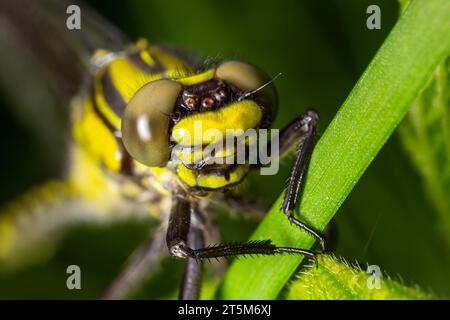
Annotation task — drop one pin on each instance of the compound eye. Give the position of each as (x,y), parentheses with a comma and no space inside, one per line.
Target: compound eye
(248,78)
(145,122)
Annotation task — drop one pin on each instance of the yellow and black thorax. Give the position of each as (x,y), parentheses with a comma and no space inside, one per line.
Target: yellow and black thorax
(143,110)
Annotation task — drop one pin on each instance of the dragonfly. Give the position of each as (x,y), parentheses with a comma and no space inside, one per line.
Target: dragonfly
(131,106)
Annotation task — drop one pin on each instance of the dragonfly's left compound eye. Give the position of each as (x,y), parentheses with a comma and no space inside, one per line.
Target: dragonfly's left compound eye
(250,79)
(145,122)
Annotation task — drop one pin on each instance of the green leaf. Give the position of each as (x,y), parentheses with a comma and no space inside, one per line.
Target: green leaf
(417,44)
(337,280)
(425,134)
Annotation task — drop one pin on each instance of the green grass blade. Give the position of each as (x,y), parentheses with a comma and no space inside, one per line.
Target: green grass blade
(335,280)
(425,134)
(378,102)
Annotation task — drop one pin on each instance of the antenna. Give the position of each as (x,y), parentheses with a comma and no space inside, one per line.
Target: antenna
(247,94)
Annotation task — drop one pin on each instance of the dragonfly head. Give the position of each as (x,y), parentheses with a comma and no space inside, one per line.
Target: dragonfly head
(174,120)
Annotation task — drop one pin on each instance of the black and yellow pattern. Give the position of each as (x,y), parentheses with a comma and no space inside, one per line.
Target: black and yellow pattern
(101,177)
(117,78)
(101,172)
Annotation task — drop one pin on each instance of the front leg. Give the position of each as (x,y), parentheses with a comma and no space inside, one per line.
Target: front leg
(190,285)
(299,134)
(181,236)
(297,137)
(177,242)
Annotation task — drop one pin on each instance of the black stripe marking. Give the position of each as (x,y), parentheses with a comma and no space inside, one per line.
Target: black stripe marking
(137,61)
(127,163)
(102,117)
(225,187)
(219,170)
(112,95)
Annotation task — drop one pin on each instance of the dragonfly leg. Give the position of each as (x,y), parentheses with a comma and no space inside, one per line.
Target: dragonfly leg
(190,285)
(264,247)
(299,134)
(177,235)
(181,235)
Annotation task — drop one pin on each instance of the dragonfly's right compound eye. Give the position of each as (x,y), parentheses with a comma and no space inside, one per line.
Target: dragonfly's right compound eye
(145,122)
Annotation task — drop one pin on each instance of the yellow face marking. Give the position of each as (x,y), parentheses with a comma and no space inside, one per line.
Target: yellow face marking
(194,155)
(197,78)
(241,115)
(219,181)
(189,156)
(186,175)
(199,179)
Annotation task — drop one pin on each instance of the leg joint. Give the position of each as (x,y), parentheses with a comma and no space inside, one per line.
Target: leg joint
(180,250)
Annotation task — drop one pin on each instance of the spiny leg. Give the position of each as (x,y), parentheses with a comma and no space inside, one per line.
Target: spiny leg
(298,136)
(190,285)
(148,254)
(180,233)
(264,247)
(177,234)
(300,132)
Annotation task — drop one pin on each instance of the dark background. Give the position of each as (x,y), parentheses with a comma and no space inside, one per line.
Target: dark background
(321,48)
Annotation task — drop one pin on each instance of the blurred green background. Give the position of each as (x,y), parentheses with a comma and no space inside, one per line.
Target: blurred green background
(321,48)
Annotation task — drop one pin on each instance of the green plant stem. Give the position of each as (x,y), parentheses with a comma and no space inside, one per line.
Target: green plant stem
(416,45)
(335,280)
